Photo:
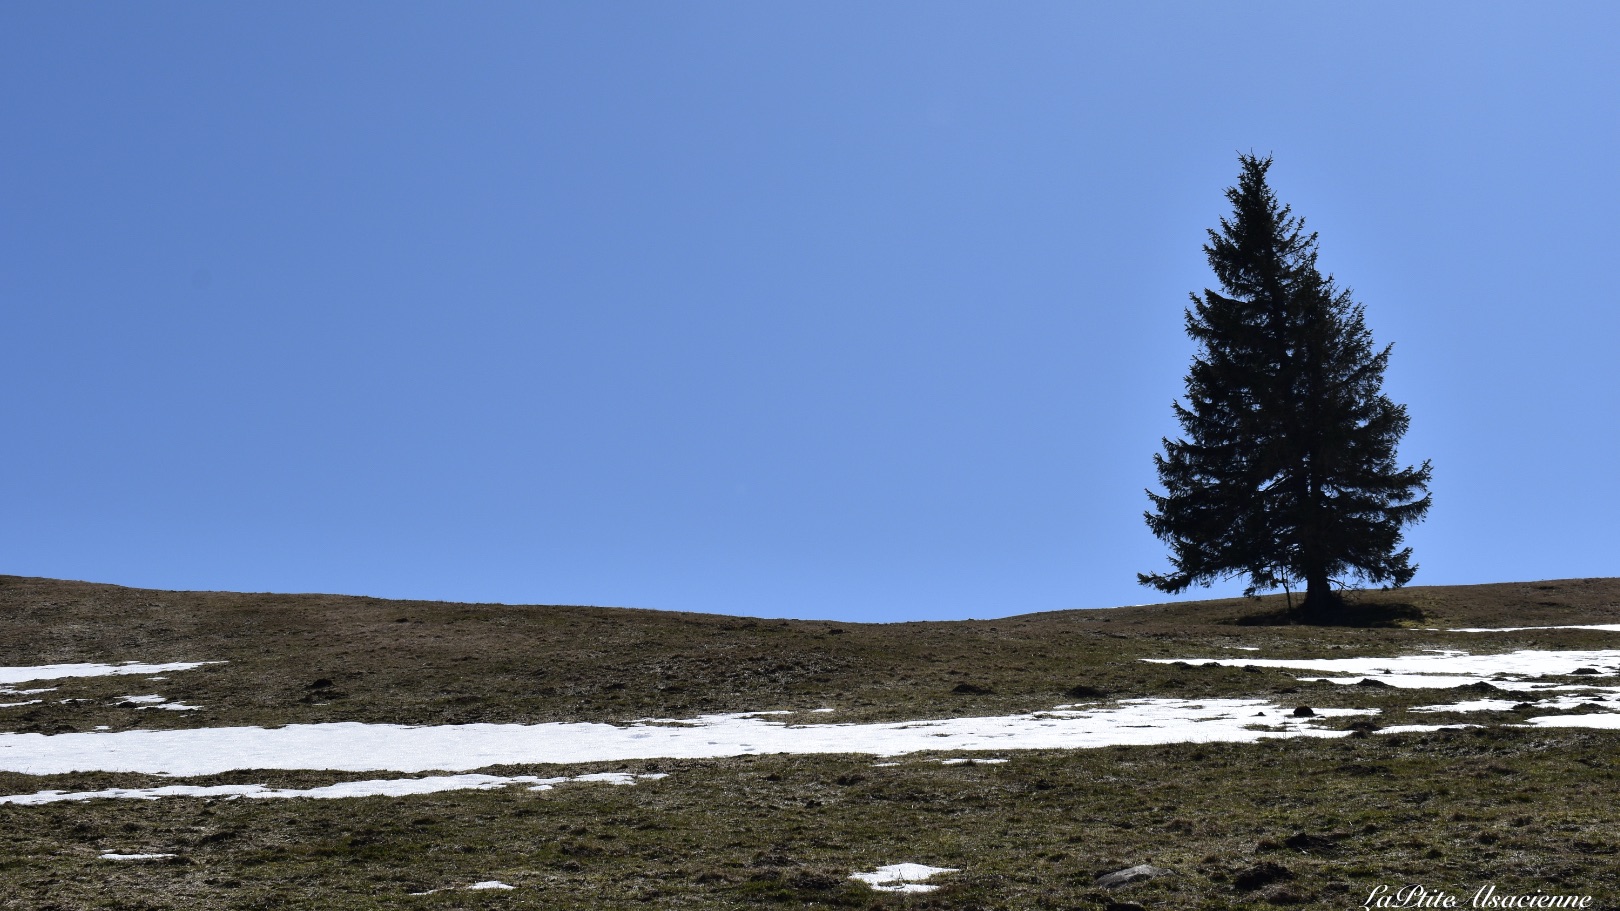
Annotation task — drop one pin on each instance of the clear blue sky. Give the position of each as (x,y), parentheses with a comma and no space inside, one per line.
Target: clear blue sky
(867,311)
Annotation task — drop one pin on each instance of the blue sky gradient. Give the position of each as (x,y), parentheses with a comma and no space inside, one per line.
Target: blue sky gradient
(858,311)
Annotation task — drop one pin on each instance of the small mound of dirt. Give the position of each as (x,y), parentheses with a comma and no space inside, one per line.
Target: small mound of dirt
(1261,874)
(1310,844)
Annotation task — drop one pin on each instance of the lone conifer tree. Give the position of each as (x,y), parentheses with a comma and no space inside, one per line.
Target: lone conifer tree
(1287,473)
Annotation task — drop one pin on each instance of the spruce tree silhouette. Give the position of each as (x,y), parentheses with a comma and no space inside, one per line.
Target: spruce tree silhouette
(1287,472)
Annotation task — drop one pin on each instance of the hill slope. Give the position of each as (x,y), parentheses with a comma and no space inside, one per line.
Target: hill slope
(421,662)
(1313,821)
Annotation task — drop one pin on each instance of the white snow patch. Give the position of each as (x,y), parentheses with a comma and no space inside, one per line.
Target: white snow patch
(60,671)
(156,702)
(963,760)
(1607,700)
(1442,668)
(392,787)
(110,856)
(1437,681)
(902,877)
(1606,720)
(486,884)
(356,747)
(1473,705)
(618,777)
(1423,728)
(1606,627)
(12,705)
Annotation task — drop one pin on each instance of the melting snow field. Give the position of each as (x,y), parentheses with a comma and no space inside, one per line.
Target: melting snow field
(902,877)
(357,747)
(351,746)
(1449,668)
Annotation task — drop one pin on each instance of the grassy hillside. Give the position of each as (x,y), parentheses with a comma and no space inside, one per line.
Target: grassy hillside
(1302,822)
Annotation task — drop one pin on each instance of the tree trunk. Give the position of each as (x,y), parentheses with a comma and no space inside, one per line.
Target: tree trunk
(1321,604)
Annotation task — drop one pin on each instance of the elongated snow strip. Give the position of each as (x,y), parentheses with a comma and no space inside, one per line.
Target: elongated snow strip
(61,671)
(1605,627)
(1440,662)
(1441,681)
(356,747)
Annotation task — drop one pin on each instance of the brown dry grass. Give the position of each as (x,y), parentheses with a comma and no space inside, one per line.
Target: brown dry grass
(784,831)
